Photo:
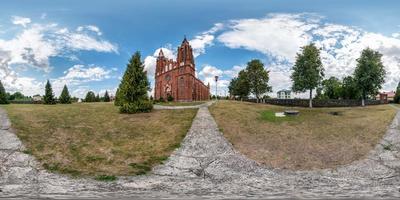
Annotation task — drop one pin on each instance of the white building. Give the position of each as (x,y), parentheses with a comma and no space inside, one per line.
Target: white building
(284,94)
(37,97)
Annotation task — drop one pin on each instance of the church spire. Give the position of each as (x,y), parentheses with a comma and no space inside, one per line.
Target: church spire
(161,53)
(185,40)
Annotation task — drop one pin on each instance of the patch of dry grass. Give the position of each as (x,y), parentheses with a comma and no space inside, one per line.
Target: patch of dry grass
(316,139)
(176,103)
(94,139)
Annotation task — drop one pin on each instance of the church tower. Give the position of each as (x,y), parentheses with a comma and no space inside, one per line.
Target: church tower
(177,78)
(185,58)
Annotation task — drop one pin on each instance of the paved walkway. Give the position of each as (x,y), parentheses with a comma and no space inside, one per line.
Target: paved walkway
(207,166)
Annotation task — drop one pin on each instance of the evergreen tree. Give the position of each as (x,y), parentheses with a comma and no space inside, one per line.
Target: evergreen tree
(132,91)
(308,71)
(3,94)
(369,74)
(97,98)
(106,97)
(118,98)
(90,97)
(48,97)
(397,96)
(65,97)
(259,77)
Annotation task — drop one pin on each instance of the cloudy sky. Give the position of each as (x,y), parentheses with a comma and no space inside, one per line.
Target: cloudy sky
(86,44)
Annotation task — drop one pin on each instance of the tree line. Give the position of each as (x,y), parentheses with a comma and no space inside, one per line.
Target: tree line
(308,74)
(49,97)
(131,96)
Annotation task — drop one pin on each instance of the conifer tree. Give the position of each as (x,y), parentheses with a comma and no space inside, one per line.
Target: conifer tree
(106,97)
(132,91)
(97,99)
(3,94)
(397,95)
(65,97)
(49,95)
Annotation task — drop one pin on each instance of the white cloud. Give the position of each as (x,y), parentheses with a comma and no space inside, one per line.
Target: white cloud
(203,40)
(35,44)
(280,36)
(80,74)
(23,21)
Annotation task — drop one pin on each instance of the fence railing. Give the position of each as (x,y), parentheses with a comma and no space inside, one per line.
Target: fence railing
(316,102)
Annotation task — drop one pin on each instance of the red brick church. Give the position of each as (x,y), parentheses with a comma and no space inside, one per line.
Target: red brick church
(177,78)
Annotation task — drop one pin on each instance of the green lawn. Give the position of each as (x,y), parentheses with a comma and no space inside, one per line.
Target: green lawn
(93,139)
(317,138)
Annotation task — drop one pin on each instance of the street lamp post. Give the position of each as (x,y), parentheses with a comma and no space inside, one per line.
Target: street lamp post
(216,87)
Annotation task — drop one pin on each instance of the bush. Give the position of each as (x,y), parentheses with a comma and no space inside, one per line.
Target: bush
(170,98)
(136,107)
(161,99)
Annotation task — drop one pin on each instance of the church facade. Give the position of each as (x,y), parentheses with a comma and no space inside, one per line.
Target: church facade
(177,78)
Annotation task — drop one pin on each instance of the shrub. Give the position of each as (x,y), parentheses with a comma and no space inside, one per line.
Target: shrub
(105,178)
(170,98)
(161,99)
(136,107)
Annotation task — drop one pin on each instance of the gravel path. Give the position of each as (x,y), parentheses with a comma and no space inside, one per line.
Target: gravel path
(207,166)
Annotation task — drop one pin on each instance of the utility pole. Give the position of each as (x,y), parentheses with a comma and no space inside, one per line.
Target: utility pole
(216,87)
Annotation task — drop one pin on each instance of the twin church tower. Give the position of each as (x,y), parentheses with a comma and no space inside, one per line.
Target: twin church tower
(177,78)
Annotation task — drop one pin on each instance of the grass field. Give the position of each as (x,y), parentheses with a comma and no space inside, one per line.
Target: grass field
(317,138)
(93,139)
(193,103)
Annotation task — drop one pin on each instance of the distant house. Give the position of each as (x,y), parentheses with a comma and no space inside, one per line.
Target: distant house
(386,97)
(37,98)
(284,94)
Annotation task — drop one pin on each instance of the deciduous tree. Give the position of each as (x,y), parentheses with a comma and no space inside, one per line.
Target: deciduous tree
(258,78)
(90,97)
(308,71)
(370,73)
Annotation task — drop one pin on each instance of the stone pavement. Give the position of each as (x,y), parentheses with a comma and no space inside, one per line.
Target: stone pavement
(207,166)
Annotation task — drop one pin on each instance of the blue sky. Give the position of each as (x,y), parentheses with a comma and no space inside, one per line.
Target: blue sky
(86,44)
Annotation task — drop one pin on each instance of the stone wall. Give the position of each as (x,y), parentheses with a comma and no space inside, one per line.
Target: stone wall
(316,102)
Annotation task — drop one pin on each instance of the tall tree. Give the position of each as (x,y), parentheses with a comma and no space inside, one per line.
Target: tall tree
(106,97)
(397,96)
(308,71)
(90,97)
(65,97)
(48,97)
(370,73)
(3,94)
(258,78)
(133,88)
